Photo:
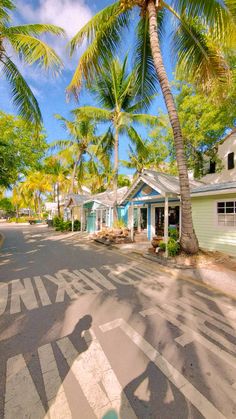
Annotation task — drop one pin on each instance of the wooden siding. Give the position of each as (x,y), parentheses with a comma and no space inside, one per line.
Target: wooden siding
(210,235)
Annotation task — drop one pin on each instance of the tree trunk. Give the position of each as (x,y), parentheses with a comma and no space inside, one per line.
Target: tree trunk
(188,240)
(116,168)
(58,200)
(74,172)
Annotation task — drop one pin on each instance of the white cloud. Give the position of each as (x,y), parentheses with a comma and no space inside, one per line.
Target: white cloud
(71,15)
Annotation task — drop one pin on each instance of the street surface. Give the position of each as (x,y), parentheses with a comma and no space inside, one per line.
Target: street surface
(89,333)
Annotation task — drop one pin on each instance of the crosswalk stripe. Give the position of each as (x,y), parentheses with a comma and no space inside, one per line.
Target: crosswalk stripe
(45,300)
(199,325)
(22,292)
(3,297)
(56,397)
(195,335)
(96,378)
(206,408)
(21,399)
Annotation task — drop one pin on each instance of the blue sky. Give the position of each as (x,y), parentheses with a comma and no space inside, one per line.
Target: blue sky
(49,91)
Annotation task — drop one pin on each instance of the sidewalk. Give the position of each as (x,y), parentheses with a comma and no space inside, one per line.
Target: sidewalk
(219,278)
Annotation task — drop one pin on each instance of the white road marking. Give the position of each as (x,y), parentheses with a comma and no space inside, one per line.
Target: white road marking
(96,378)
(24,293)
(195,335)
(3,297)
(56,397)
(64,287)
(199,325)
(21,399)
(221,303)
(45,300)
(208,314)
(99,278)
(206,408)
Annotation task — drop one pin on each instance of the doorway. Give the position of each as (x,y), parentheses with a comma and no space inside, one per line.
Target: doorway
(160,219)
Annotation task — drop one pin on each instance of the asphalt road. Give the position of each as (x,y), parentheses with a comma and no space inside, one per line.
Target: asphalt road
(89,333)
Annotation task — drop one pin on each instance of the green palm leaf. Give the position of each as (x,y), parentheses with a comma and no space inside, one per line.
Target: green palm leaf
(34,50)
(22,95)
(103,33)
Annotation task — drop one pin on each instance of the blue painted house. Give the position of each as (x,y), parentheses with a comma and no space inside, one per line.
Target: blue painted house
(152,204)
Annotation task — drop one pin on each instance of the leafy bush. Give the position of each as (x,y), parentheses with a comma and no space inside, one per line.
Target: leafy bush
(76,225)
(57,221)
(173,247)
(173,233)
(162,246)
(18,220)
(119,223)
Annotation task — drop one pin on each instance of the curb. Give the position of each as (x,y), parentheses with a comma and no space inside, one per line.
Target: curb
(176,273)
(185,276)
(2,238)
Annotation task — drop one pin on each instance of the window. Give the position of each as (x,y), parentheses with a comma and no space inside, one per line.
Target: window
(212,168)
(231,161)
(226,213)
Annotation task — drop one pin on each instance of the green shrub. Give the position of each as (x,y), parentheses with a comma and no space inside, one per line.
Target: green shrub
(56,222)
(173,233)
(18,220)
(173,247)
(162,246)
(76,225)
(119,223)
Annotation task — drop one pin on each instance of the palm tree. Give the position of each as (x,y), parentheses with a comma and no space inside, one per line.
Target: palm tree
(145,154)
(116,91)
(35,185)
(26,44)
(203,31)
(78,146)
(58,174)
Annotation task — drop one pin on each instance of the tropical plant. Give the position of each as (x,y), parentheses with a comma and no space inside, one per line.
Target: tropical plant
(77,147)
(203,34)
(58,175)
(33,188)
(116,91)
(145,153)
(21,148)
(24,39)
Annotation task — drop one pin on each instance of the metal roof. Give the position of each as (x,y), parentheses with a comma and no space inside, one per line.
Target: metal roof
(107,198)
(214,187)
(163,183)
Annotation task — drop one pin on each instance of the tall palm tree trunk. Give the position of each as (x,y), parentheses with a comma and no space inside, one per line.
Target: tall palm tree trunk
(116,168)
(58,200)
(74,172)
(188,240)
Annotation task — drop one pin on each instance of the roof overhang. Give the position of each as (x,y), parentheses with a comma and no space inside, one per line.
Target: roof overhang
(213,193)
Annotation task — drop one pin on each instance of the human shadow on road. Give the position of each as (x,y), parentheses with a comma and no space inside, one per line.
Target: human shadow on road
(151,395)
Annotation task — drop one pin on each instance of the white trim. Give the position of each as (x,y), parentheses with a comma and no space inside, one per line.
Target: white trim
(147,198)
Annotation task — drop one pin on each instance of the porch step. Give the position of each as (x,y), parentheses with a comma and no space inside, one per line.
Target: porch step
(140,237)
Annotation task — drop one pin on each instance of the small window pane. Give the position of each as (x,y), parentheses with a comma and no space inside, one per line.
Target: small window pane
(221,210)
(221,220)
(230,220)
(230,210)
(230,161)
(229,204)
(221,204)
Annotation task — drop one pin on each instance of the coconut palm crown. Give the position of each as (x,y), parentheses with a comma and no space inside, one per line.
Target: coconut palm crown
(24,40)
(203,35)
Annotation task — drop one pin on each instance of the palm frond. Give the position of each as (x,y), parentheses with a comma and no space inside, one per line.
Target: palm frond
(103,34)
(143,119)
(143,61)
(35,51)
(140,144)
(23,97)
(5,7)
(198,55)
(33,30)
(97,114)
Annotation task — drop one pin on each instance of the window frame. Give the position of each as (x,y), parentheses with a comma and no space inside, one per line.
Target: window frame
(225,227)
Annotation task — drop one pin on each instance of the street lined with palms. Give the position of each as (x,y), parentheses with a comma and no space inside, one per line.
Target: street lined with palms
(92,333)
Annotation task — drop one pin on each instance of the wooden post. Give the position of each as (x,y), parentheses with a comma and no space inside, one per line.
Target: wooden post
(72,218)
(81,218)
(132,222)
(139,219)
(180,219)
(166,224)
